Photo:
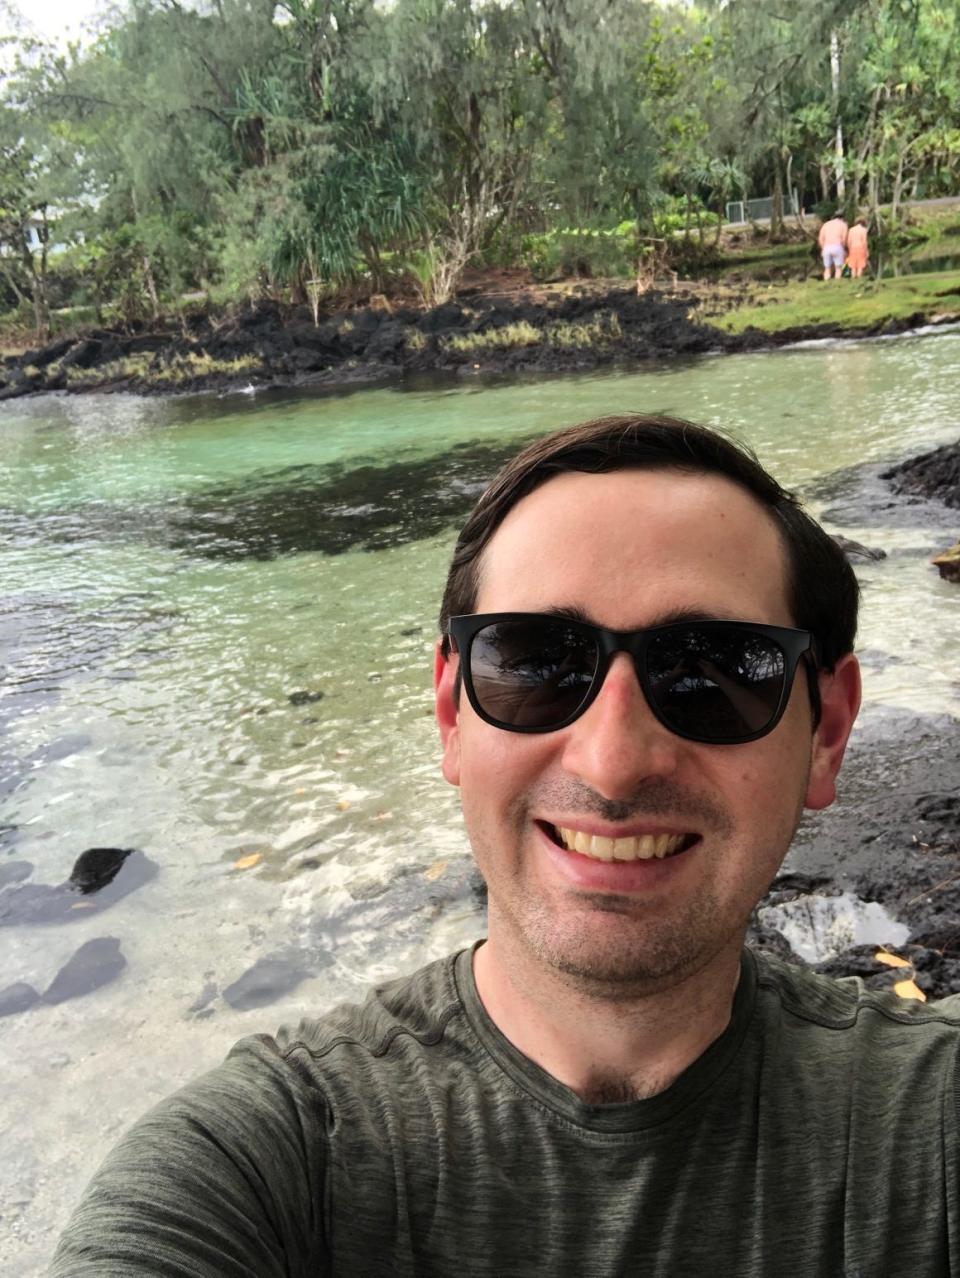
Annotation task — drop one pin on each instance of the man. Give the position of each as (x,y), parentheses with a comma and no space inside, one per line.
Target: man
(833,245)
(645,675)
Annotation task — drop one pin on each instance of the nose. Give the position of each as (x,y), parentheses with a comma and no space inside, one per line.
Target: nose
(617,744)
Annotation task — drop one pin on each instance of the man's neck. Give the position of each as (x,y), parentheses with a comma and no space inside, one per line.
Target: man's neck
(604,1049)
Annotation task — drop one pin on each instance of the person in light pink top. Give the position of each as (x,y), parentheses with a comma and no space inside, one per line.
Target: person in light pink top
(833,245)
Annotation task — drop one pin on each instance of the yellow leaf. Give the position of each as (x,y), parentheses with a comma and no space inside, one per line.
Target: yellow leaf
(343,805)
(891,960)
(82,905)
(909,989)
(434,871)
(248,862)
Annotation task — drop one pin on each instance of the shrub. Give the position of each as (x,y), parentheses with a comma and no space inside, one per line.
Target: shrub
(568,251)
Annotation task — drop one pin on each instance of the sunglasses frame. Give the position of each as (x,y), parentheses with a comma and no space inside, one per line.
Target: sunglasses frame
(794,645)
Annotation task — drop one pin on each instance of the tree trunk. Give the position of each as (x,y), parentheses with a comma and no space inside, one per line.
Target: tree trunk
(21,296)
(897,191)
(862,164)
(38,282)
(788,182)
(776,212)
(838,126)
(151,284)
(857,178)
(873,194)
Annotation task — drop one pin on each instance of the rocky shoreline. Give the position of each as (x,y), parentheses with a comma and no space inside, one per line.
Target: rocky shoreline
(528,329)
(892,839)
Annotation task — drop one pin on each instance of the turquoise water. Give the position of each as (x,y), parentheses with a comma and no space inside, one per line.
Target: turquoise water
(174,572)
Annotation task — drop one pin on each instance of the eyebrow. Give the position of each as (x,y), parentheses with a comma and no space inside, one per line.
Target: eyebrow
(573,612)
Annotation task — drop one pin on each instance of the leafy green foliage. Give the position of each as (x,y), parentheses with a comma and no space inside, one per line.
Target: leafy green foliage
(245,149)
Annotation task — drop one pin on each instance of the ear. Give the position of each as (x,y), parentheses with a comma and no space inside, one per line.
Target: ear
(840,701)
(448,715)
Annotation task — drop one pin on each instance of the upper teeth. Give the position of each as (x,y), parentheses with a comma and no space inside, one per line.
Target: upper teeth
(639,848)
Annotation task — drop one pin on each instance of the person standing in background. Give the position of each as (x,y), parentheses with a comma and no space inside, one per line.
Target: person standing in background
(833,245)
(857,253)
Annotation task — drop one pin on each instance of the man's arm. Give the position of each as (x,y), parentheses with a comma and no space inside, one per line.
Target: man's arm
(224,1179)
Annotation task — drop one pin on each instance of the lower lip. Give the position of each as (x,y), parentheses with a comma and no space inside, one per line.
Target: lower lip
(591,875)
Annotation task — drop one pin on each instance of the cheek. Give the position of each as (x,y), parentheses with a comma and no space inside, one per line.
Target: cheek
(498,769)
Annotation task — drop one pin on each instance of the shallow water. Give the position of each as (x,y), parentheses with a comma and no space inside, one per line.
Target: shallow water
(216,621)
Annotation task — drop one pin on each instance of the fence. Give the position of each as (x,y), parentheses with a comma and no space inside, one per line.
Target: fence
(753,210)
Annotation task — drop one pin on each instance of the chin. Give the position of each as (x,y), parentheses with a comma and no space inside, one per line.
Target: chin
(621,968)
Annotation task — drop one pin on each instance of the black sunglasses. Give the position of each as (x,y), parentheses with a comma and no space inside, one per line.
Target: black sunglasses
(719,682)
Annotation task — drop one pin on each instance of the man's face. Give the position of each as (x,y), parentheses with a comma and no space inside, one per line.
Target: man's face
(632,549)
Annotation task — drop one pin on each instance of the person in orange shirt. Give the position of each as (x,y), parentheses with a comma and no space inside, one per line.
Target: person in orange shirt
(833,245)
(857,253)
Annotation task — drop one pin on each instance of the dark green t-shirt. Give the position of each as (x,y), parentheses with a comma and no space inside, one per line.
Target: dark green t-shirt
(817,1136)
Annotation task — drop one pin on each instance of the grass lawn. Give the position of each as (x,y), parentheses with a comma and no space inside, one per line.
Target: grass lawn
(854,304)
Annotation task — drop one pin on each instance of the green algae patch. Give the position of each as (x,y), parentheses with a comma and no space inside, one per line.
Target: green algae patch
(860,305)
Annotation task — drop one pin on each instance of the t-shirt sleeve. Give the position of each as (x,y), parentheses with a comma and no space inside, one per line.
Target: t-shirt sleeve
(224,1179)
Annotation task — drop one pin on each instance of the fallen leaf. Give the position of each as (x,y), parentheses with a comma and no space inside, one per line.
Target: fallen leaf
(383,816)
(248,862)
(343,805)
(434,871)
(909,989)
(301,790)
(891,960)
(82,905)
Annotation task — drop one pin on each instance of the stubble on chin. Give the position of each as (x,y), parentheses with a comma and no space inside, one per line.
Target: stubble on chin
(609,948)
(614,948)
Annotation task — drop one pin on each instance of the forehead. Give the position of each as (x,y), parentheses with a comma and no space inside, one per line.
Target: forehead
(635,546)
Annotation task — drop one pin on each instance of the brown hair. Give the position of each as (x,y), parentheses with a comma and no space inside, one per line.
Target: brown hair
(822,590)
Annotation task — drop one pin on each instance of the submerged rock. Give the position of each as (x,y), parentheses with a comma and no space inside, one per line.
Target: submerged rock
(304,698)
(15,872)
(856,550)
(95,964)
(934,474)
(265,982)
(104,874)
(17,998)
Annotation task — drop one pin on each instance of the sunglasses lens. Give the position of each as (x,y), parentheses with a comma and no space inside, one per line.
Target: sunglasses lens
(715,683)
(532,673)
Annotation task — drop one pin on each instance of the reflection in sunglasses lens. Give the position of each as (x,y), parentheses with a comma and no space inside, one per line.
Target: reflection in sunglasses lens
(715,684)
(532,673)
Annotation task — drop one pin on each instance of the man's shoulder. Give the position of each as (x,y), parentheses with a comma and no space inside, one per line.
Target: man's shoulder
(848,1004)
(416,1007)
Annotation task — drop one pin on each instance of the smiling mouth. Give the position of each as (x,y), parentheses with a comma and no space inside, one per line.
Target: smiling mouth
(643,847)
